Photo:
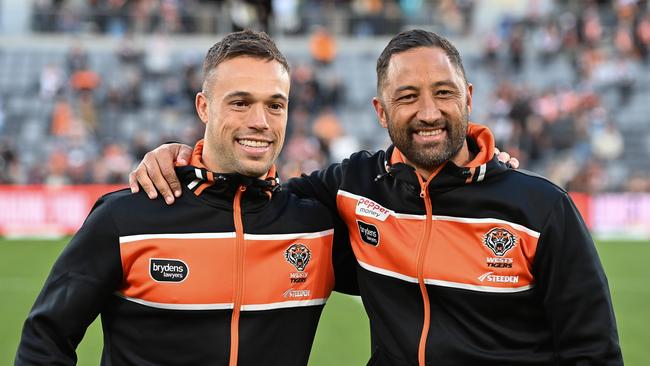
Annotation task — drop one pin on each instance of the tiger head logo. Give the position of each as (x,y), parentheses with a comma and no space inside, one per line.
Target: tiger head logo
(298,255)
(499,240)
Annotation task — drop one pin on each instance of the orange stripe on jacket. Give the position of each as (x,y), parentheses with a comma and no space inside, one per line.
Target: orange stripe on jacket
(457,250)
(268,275)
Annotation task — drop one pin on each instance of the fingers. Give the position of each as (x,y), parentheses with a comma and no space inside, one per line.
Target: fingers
(503,157)
(133,183)
(160,170)
(514,162)
(143,176)
(184,155)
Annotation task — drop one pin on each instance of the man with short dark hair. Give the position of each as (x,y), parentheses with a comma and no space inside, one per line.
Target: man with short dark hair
(216,279)
(461,261)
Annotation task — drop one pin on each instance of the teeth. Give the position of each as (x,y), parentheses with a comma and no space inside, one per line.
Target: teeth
(429,133)
(253,143)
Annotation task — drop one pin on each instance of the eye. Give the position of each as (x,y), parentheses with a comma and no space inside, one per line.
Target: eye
(444,92)
(407,97)
(239,103)
(276,106)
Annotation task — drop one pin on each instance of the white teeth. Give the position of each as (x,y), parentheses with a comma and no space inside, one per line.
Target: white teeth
(429,133)
(253,143)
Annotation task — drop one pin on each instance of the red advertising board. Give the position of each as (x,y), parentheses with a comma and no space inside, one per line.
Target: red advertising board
(45,210)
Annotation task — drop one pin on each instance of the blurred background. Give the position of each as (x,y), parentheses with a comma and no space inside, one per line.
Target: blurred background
(88,86)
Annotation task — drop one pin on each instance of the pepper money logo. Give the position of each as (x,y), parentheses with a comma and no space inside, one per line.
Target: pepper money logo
(499,240)
(298,255)
(168,270)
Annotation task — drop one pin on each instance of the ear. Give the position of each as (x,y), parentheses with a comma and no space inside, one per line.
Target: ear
(381,112)
(201,104)
(470,91)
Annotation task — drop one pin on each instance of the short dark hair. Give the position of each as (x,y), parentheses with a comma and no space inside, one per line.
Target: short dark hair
(243,43)
(413,39)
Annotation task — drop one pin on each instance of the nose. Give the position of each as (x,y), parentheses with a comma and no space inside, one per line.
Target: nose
(258,118)
(428,111)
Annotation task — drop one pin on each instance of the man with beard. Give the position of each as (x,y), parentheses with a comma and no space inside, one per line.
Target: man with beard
(461,261)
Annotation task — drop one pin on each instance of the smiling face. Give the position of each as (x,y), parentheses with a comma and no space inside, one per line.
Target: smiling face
(244,105)
(424,103)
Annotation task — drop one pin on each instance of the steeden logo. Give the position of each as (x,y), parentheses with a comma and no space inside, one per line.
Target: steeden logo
(489,277)
(168,270)
(292,294)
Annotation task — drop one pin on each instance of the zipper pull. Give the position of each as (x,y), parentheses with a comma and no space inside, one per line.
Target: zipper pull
(423,191)
(242,188)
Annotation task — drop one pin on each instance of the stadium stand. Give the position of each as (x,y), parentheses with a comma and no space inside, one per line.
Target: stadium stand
(91,88)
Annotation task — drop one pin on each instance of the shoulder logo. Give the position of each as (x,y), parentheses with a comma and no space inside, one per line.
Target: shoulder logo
(168,270)
(369,233)
(499,240)
(369,208)
(298,255)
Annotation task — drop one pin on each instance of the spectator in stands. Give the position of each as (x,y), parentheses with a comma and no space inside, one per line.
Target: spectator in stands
(57,165)
(62,116)
(77,58)
(50,81)
(642,36)
(11,171)
(322,46)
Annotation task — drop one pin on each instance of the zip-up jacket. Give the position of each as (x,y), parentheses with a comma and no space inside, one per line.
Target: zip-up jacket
(236,272)
(478,265)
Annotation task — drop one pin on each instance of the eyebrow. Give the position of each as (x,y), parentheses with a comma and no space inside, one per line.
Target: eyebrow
(437,84)
(243,94)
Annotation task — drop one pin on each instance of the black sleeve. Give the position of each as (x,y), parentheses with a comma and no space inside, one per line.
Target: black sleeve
(323,185)
(574,291)
(83,277)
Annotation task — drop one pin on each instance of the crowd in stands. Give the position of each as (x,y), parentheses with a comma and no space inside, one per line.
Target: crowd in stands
(568,131)
(348,17)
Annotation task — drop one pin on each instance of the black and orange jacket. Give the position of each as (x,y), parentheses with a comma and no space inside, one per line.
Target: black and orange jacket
(478,265)
(236,272)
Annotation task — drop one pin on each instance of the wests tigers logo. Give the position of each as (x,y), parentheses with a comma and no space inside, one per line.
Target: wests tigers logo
(499,240)
(298,255)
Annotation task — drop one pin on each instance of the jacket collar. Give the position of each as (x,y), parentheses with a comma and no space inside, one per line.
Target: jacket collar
(480,142)
(198,179)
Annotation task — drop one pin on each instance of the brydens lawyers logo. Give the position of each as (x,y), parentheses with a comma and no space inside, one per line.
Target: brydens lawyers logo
(168,270)
(499,240)
(369,233)
(298,255)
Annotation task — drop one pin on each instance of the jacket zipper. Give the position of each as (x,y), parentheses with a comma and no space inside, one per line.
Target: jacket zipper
(239,277)
(422,252)
(422,247)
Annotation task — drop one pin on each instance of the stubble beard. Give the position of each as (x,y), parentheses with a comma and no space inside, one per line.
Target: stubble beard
(231,163)
(431,156)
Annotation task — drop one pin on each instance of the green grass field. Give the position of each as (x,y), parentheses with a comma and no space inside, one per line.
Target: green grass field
(342,337)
